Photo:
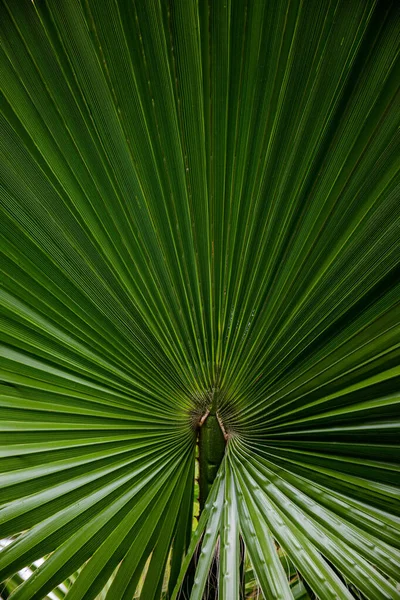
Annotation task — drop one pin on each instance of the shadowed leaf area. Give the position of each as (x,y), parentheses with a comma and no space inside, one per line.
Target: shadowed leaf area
(199,300)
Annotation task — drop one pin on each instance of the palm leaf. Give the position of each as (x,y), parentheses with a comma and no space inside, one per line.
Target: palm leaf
(199,195)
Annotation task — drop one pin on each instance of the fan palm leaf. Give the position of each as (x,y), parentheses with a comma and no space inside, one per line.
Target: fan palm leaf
(200,212)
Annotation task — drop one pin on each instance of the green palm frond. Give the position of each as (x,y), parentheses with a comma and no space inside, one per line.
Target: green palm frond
(200,212)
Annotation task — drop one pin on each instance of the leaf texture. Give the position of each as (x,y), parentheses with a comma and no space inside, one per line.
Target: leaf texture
(196,192)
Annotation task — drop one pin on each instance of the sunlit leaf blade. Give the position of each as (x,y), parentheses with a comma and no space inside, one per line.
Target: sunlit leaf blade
(229,584)
(199,198)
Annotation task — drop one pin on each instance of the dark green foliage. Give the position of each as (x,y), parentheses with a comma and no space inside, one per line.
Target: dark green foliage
(198,194)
